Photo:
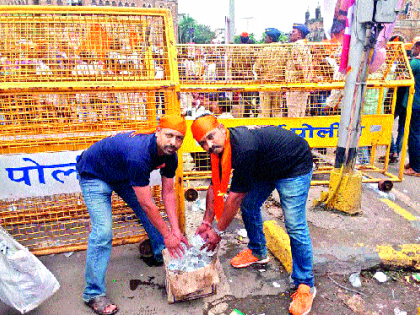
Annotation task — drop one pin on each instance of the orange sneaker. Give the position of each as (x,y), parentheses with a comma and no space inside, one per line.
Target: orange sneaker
(302,300)
(245,259)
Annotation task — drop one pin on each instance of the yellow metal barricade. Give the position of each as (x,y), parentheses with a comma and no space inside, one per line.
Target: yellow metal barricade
(296,86)
(45,46)
(70,76)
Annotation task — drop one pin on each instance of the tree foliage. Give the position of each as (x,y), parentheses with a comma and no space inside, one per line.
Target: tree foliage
(190,31)
(203,34)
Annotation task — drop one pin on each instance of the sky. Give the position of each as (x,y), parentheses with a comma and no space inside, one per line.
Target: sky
(252,16)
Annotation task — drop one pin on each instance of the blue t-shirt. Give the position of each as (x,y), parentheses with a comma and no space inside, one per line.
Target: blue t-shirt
(126,158)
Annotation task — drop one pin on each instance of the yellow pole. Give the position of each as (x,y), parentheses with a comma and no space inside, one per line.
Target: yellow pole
(406,131)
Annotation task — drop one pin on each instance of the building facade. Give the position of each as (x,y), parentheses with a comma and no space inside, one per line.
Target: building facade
(315,25)
(407,25)
(408,21)
(172,5)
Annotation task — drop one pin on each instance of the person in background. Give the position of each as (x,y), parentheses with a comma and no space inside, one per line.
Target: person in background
(123,163)
(400,112)
(263,158)
(413,167)
(299,69)
(240,65)
(244,38)
(270,67)
(221,108)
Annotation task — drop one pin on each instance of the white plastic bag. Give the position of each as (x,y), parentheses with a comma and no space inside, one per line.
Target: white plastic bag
(24,281)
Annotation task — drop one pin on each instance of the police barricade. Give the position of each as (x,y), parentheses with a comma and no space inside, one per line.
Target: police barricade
(297,87)
(70,76)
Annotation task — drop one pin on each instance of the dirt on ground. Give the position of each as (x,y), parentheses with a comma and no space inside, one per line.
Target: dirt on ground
(398,295)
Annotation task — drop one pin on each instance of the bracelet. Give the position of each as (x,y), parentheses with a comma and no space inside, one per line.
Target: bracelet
(342,12)
(218,232)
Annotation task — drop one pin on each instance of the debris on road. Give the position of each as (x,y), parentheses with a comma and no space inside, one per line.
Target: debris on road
(380,276)
(355,280)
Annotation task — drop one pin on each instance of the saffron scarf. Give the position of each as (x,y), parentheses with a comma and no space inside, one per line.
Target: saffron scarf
(200,127)
(221,181)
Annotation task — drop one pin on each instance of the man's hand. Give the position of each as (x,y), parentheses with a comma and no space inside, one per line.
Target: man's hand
(212,240)
(181,237)
(173,244)
(203,229)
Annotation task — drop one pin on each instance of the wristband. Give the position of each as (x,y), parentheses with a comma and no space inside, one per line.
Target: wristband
(342,12)
(218,232)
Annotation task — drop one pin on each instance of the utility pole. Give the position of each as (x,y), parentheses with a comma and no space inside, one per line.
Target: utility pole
(231,21)
(345,185)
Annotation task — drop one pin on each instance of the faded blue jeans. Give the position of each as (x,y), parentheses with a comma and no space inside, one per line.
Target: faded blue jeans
(97,197)
(293,196)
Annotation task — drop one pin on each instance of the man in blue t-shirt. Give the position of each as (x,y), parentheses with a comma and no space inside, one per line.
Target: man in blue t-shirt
(123,163)
(263,158)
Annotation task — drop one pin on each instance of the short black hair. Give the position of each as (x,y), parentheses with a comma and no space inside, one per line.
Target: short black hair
(224,104)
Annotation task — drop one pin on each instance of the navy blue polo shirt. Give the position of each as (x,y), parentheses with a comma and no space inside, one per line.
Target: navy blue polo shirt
(125,158)
(266,154)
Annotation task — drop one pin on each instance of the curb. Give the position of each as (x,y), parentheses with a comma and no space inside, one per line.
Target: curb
(402,256)
(405,255)
(278,243)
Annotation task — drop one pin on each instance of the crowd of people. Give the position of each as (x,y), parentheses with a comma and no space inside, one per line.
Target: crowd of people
(272,63)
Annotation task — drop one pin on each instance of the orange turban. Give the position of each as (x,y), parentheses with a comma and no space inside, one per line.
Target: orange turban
(202,125)
(174,122)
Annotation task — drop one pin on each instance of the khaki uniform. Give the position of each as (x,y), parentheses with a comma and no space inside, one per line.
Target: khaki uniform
(241,68)
(270,67)
(242,58)
(299,69)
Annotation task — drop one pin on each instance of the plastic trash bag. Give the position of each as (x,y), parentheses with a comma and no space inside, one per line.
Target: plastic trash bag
(24,281)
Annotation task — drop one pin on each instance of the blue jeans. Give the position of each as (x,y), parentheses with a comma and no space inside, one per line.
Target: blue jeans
(396,145)
(414,141)
(293,195)
(97,197)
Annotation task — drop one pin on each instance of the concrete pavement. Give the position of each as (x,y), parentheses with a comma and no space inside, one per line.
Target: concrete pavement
(386,233)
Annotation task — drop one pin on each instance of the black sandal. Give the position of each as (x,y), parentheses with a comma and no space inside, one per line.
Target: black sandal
(145,248)
(100,303)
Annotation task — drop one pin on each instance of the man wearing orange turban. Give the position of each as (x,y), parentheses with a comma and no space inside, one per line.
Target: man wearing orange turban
(263,158)
(123,163)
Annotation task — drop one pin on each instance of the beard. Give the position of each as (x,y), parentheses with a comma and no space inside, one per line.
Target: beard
(169,149)
(212,149)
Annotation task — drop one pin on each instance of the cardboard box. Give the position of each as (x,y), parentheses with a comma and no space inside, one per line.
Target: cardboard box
(183,286)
